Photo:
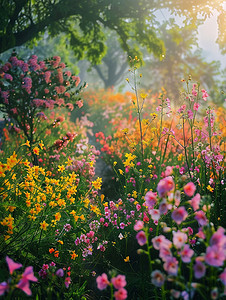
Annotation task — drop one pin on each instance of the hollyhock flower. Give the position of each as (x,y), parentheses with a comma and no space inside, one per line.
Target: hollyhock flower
(199,269)
(214,256)
(157,278)
(119,281)
(171,266)
(141,238)
(175,293)
(158,241)
(163,207)
(195,201)
(67,282)
(186,253)
(168,171)
(201,234)
(201,217)
(165,252)
(179,239)
(102,281)
(179,215)
(12,265)
(165,185)
(155,214)
(121,294)
(218,238)
(139,225)
(4,287)
(223,277)
(189,189)
(27,276)
(150,199)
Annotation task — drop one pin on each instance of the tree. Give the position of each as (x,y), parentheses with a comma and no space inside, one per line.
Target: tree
(83,21)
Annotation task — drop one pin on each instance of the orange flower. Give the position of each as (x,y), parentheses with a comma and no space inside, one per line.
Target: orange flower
(56,253)
(51,250)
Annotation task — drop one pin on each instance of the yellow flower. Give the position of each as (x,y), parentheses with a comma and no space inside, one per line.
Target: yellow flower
(97,183)
(125,131)
(41,145)
(126,259)
(61,242)
(57,216)
(143,95)
(120,171)
(61,168)
(26,144)
(69,162)
(115,163)
(43,225)
(36,150)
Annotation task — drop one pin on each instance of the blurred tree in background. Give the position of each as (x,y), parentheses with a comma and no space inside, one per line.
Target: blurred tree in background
(83,21)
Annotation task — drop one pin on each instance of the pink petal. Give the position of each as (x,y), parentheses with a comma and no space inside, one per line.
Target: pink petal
(12,265)
(24,286)
(29,274)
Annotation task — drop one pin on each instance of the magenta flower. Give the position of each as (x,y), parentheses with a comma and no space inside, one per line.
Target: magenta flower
(150,199)
(189,189)
(27,276)
(4,287)
(157,278)
(171,266)
(199,269)
(121,294)
(186,253)
(60,273)
(141,238)
(201,217)
(12,265)
(214,256)
(165,185)
(179,215)
(119,281)
(179,239)
(102,281)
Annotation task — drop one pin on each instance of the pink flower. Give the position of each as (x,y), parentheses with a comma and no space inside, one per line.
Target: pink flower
(218,238)
(171,266)
(186,253)
(27,276)
(4,287)
(199,269)
(168,171)
(179,239)
(196,106)
(190,114)
(223,277)
(139,225)
(12,265)
(102,281)
(195,201)
(201,217)
(150,199)
(165,252)
(165,185)
(119,281)
(214,256)
(179,215)
(141,238)
(189,189)
(67,282)
(159,241)
(157,278)
(155,214)
(121,294)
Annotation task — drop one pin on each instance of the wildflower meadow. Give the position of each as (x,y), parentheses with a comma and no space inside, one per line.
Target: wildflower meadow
(107,195)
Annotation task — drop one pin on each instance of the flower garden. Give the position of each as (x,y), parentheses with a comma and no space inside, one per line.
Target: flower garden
(147,225)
